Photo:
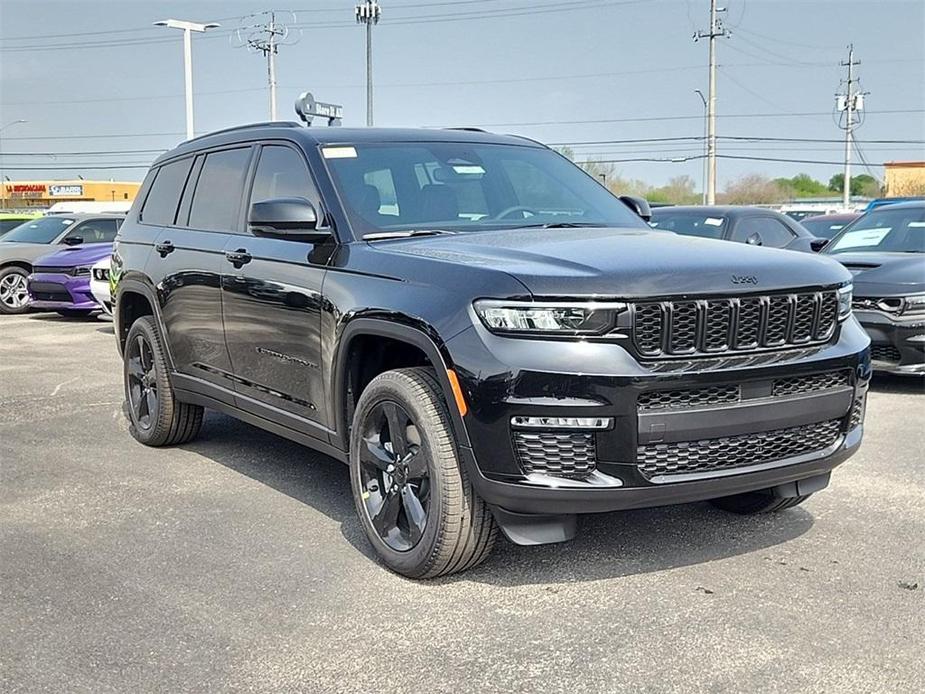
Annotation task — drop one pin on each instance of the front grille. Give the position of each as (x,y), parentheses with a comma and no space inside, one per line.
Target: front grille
(51,269)
(564,454)
(885,353)
(48,291)
(857,412)
(710,455)
(711,326)
(798,385)
(683,399)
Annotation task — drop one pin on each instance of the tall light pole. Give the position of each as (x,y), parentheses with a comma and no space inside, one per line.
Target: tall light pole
(706,175)
(368,13)
(849,103)
(187,28)
(2,128)
(716,30)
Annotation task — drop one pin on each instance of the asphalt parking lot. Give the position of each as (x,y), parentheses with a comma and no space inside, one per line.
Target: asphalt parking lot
(235,563)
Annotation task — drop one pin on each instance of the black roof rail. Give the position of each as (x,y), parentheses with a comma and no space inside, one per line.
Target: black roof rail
(469,129)
(248,126)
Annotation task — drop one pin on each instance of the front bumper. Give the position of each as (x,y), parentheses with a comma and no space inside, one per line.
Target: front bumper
(897,347)
(59,291)
(655,456)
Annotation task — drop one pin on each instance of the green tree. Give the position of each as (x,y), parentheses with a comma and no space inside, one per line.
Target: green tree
(862,184)
(802,186)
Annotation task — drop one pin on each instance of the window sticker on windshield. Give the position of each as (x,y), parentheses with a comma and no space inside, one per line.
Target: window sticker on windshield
(468,169)
(66,222)
(863,237)
(714,221)
(339,153)
(916,224)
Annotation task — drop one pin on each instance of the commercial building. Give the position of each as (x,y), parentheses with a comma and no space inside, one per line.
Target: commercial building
(40,195)
(904,178)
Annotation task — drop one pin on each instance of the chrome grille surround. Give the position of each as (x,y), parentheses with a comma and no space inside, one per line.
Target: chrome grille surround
(721,326)
(729,452)
(571,454)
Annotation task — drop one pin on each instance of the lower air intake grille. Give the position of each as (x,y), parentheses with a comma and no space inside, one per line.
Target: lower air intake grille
(809,384)
(679,399)
(565,455)
(857,412)
(885,353)
(709,455)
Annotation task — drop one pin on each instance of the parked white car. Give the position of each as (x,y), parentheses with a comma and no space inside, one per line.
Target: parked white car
(99,285)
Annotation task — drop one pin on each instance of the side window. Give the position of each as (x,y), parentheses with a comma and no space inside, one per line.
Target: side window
(160,206)
(774,234)
(95,231)
(281,173)
(218,192)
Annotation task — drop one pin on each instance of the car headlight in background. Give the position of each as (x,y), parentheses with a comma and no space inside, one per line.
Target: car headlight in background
(81,271)
(548,318)
(101,274)
(844,301)
(913,307)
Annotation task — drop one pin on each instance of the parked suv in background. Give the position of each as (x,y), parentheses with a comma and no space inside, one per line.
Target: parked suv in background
(20,247)
(485,334)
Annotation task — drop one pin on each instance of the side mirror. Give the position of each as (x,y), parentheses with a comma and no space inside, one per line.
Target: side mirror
(638,205)
(818,244)
(754,239)
(286,218)
(72,240)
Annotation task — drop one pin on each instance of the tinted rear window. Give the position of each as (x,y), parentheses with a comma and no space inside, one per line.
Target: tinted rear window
(218,192)
(161,204)
(700,224)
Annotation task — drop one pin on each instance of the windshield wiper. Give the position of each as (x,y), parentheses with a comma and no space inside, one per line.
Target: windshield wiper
(560,225)
(382,235)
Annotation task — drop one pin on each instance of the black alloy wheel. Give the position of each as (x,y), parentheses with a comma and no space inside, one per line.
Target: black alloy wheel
(142,382)
(394,476)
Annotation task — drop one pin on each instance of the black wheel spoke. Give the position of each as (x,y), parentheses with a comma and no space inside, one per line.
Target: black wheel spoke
(415,513)
(151,403)
(397,429)
(374,453)
(417,463)
(135,391)
(134,368)
(386,518)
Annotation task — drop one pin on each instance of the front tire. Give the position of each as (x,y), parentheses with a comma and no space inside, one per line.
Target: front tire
(14,293)
(412,495)
(752,503)
(156,417)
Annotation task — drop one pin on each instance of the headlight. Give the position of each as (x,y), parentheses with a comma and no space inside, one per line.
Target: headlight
(81,271)
(547,318)
(844,301)
(101,274)
(913,306)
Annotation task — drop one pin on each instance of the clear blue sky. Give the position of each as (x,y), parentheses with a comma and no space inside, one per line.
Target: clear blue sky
(509,65)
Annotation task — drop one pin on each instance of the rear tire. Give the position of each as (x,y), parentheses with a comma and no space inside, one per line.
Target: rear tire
(14,296)
(752,503)
(424,519)
(156,417)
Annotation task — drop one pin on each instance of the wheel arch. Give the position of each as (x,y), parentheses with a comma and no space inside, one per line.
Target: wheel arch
(135,298)
(362,332)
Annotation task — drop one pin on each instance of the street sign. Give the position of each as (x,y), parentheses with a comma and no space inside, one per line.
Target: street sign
(307,108)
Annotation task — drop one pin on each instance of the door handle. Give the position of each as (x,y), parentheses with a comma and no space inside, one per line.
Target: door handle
(165,248)
(238,258)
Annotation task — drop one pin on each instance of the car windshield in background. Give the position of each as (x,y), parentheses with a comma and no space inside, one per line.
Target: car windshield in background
(425,186)
(885,230)
(701,224)
(44,230)
(824,228)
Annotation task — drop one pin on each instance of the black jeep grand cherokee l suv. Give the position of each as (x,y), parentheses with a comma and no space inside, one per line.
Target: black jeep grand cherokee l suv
(485,335)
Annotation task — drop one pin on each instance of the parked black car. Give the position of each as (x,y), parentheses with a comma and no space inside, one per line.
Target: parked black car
(483,332)
(827,226)
(752,225)
(885,251)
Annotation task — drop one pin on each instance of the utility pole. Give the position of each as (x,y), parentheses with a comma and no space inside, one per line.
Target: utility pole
(849,103)
(266,37)
(368,13)
(716,29)
(187,28)
(706,175)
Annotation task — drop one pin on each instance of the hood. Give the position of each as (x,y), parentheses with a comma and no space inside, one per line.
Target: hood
(626,263)
(72,256)
(885,274)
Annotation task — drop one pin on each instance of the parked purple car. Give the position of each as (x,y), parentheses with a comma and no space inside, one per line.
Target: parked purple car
(60,281)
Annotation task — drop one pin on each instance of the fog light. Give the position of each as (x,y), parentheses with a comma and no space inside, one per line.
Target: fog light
(561,422)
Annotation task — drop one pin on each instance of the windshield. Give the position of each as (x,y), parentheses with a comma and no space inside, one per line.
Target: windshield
(702,224)
(9,224)
(43,230)
(885,229)
(466,187)
(824,227)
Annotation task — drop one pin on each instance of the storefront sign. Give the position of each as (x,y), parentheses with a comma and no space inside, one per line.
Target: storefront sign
(58,191)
